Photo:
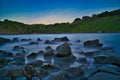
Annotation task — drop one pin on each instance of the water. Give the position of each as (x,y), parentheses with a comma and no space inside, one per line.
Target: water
(108,39)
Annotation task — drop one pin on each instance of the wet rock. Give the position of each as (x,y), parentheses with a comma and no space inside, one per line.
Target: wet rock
(10,72)
(107,48)
(82,60)
(65,62)
(74,72)
(17,48)
(32,55)
(15,39)
(49,42)
(29,72)
(63,50)
(48,48)
(108,59)
(4,40)
(93,43)
(61,39)
(77,41)
(38,39)
(48,56)
(25,39)
(34,43)
(91,53)
(4,54)
(18,60)
(37,63)
(58,76)
(4,62)
(104,76)
(40,53)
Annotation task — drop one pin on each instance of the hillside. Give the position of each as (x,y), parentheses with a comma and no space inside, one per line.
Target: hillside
(103,22)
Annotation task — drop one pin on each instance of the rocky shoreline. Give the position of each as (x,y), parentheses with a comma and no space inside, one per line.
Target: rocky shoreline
(59,63)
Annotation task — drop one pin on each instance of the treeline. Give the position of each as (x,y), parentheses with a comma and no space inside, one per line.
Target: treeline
(103,22)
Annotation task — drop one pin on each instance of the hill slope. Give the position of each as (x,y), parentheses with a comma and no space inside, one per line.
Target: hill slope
(103,22)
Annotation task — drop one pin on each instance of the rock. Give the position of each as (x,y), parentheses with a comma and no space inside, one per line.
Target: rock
(32,55)
(18,60)
(17,48)
(93,43)
(77,41)
(29,72)
(48,56)
(4,40)
(91,53)
(58,76)
(104,76)
(82,60)
(50,68)
(15,39)
(37,63)
(38,39)
(10,72)
(61,39)
(48,48)
(63,50)
(49,42)
(65,62)
(34,43)
(25,39)
(107,48)
(4,62)
(108,59)
(40,53)
(4,54)
(74,72)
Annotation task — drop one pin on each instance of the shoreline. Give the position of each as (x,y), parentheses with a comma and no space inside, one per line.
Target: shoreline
(67,33)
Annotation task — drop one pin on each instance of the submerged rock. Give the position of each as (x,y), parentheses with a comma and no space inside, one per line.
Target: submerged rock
(4,40)
(93,43)
(48,56)
(25,39)
(48,48)
(63,50)
(4,62)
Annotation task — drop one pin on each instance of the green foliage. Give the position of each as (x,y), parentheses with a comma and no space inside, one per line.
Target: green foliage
(104,22)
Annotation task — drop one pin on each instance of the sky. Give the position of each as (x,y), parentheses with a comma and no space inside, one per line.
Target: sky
(53,11)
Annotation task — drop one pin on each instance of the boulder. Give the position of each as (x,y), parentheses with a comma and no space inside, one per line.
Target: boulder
(32,56)
(38,39)
(4,40)
(61,39)
(63,50)
(48,48)
(15,39)
(93,43)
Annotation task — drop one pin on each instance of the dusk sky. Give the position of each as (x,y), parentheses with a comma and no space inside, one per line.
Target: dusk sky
(52,11)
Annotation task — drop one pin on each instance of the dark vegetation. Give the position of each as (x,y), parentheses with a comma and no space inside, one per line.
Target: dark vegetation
(103,22)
